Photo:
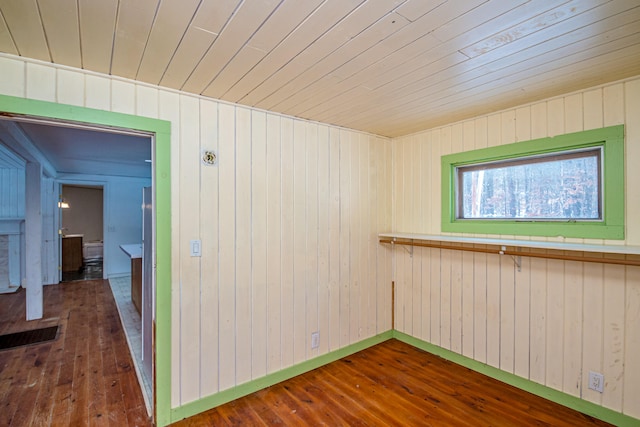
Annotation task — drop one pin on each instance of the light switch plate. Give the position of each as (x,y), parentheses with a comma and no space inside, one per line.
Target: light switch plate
(196,249)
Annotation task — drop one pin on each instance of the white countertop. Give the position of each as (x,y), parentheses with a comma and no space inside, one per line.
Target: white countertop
(134,250)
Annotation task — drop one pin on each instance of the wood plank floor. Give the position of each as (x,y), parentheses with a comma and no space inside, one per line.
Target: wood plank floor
(83,378)
(391,384)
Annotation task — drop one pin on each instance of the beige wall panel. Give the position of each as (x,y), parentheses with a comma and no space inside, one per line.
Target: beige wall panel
(416,220)
(456,301)
(555,319)
(355,286)
(70,87)
(299,242)
(539,120)
(613,99)
(573,340)
(614,335)
(593,115)
(414,315)
(479,301)
(523,124)
(592,327)
(123,99)
(324,239)
(346,264)
(538,325)
(403,286)
(190,267)
(98,92)
(147,106)
(243,245)
(507,314)
(467,304)
(434,296)
(209,235)
(274,246)
(226,237)
(426,173)
(287,243)
(493,310)
(311,262)
(13,81)
(435,202)
(425,291)
(522,316)
(335,239)
(445,298)
(555,117)
(41,82)
(632,155)
(573,113)
(372,208)
(631,392)
(366,285)
(259,244)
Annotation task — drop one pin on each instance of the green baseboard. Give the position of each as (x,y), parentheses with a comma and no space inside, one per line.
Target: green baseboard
(241,390)
(591,409)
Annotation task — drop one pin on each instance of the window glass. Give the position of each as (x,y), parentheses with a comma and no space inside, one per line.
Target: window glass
(553,187)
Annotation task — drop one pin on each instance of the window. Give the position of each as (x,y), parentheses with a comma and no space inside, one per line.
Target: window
(569,185)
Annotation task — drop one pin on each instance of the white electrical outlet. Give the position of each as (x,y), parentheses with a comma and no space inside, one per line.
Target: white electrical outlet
(596,381)
(315,339)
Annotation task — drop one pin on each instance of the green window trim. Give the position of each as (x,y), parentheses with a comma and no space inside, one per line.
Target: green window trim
(612,225)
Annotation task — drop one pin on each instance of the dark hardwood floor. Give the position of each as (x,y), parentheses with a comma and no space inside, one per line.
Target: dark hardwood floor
(83,378)
(86,377)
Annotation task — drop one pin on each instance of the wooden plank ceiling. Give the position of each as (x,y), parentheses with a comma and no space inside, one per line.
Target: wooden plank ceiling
(390,67)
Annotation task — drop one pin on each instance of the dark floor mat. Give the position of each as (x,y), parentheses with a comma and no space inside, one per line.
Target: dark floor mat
(33,336)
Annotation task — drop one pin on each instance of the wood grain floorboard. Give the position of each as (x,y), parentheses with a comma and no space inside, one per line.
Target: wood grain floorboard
(392,384)
(83,378)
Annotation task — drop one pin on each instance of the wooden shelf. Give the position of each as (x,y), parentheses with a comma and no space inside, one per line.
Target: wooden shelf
(608,254)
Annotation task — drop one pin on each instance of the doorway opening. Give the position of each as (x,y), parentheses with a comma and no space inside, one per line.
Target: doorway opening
(160,131)
(91,179)
(81,232)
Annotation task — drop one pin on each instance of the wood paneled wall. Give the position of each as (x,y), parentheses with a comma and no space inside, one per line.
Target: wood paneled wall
(553,321)
(288,221)
(12,192)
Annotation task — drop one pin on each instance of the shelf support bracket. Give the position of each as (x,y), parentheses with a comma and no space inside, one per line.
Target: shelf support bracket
(409,249)
(517,260)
